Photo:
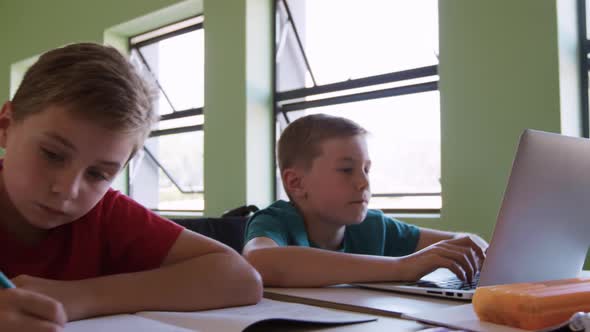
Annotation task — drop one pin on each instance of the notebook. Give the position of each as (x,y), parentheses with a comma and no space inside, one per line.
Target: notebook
(234,319)
(543,227)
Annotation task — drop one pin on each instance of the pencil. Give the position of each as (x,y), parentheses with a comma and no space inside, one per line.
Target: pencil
(5,282)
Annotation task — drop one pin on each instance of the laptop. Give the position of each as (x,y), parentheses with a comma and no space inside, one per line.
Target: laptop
(543,226)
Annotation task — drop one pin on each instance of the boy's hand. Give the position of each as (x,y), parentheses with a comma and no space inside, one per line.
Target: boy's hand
(23,310)
(476,238)
(463,255)
(63,291)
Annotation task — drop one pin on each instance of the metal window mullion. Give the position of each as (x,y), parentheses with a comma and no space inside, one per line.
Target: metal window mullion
(299,43)
(403,75)
(168,35)
(146,64)
(282,41)
(584,49)
(182,114)
(167,173)
(286,116)
(176,130)
(384,93)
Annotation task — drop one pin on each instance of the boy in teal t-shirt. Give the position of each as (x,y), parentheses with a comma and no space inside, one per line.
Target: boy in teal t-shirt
(376,235)
(326,235)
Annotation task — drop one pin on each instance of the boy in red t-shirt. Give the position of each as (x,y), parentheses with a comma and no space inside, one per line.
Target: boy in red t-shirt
(74,247)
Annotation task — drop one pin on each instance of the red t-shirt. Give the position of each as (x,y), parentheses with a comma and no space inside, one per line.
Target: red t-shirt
(118,235)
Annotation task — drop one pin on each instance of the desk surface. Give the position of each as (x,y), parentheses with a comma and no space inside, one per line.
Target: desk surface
(388,306)
(385,306)
(375,302)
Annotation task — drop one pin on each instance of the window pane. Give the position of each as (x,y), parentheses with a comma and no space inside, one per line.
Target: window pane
(404,146)
(182,157)
(343,40)
(173,178)
(178,64)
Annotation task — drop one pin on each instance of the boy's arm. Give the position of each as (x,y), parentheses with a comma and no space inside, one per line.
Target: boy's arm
(198,273)
(293,266)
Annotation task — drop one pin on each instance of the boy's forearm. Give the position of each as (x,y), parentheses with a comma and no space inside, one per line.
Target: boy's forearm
(210,281)
(309,267)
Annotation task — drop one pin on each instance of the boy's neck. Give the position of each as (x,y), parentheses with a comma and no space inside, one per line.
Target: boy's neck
(324,235)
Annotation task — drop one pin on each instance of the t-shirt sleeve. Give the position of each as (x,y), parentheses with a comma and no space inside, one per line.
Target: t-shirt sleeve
(401,238)
(267,225)
(137,238)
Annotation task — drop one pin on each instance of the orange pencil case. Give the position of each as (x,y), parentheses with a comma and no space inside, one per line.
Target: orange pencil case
(532,306)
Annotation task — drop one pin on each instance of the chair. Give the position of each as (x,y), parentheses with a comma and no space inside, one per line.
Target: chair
(242,211)
(229,229)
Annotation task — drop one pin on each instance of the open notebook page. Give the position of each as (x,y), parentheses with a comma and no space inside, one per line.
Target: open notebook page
(223,320)
(121,323)
(239,318)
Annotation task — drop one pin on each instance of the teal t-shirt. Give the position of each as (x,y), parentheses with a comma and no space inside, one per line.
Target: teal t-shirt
(376,235)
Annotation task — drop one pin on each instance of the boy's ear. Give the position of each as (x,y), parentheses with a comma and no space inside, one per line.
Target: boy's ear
(293,182)
(5,121)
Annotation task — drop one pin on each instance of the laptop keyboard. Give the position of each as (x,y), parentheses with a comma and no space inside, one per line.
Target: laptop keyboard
(451,283)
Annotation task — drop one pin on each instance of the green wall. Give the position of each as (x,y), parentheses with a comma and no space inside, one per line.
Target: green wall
(499,74)
(501,71)
(238,127)
(28,27)
(238,122)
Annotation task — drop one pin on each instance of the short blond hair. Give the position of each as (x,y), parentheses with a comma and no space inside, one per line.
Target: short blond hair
(299,143)
(91,80)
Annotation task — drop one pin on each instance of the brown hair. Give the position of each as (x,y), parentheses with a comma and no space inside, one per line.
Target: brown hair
(299,143)
(90,80)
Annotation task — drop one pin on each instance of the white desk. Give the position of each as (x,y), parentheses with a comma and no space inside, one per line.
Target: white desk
(385,306)
(265,316)
(367,301)
(388,306)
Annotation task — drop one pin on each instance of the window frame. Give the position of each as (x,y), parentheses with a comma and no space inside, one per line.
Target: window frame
(175,114)
(281,110)
(584,43)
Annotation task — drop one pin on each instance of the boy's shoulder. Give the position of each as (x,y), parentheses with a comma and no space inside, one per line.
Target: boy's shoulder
(280,208)
(281,222)
(109,201)
(114,206)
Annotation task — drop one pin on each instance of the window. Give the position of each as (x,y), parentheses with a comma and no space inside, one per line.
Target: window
(584,39)
(375,63)
(167,175)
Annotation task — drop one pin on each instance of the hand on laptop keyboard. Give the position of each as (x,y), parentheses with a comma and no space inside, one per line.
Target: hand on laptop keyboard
(462,255)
